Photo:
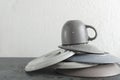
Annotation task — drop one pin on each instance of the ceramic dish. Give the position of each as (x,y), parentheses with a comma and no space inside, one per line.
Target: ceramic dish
(105,70)
(48,59)
(94,58)
(88,48)
(72,65)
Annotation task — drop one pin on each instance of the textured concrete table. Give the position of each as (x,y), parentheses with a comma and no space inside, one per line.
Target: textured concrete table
(13,69)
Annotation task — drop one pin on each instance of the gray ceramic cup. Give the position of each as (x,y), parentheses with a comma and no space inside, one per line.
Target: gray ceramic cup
(75,32)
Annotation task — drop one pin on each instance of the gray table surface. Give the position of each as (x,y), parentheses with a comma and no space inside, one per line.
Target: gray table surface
(13,69)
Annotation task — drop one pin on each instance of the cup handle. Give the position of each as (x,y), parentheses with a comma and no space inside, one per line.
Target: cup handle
(92,38)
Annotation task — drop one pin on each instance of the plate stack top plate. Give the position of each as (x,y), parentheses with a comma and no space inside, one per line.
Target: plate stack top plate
(87,48)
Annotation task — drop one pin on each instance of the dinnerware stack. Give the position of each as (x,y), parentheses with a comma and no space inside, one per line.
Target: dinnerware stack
(75,38)
(76,56)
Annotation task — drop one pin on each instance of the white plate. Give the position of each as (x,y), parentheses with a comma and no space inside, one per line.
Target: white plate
(88,48)
(48,59)
(72,65)
(96,71)
(94,58)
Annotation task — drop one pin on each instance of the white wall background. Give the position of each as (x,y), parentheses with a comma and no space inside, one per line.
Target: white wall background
(33,27)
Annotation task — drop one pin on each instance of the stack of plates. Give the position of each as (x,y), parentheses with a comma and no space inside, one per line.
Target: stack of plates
(88,61)
(82,60)
(81,64)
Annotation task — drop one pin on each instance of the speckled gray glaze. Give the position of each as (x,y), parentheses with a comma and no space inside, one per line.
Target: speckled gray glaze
(75,32)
